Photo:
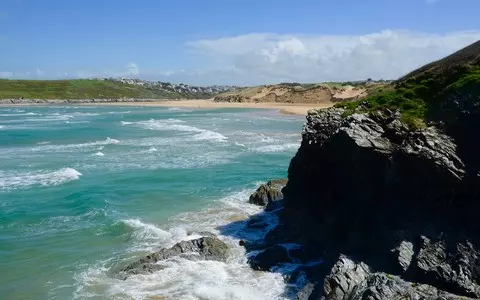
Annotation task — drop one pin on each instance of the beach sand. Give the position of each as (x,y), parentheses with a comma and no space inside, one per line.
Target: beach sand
(285,108)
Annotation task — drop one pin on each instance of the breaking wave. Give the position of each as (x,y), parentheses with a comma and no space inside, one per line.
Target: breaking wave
(171,125)
(16,180)
(185,279)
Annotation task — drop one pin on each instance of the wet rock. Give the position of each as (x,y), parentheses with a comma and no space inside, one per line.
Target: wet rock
(269,258)
(256,223)
(205,248)
(268,193)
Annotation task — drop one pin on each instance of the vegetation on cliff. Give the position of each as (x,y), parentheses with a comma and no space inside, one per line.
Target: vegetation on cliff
(422,95)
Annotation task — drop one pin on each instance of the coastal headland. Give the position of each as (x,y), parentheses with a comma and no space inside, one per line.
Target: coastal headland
(381,199)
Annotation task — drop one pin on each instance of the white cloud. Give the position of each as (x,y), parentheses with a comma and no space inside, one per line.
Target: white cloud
(269,58)
(259,58)
(5,74)
(133,69)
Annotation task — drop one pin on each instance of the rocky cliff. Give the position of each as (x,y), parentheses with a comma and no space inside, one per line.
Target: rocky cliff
(384,206)
(376,208)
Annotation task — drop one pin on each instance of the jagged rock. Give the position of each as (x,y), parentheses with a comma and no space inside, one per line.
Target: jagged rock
(309,291)
(346,280)
(404,254)
(269,257)
(451,266)
(321,125)
(268,193)
(351,280)
(397,199)
(205,248)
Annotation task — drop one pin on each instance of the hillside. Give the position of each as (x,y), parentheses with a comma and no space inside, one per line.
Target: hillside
(102,89)
(325,93)
(425,94)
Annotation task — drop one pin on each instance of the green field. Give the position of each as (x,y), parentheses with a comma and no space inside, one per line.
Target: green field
(80,89)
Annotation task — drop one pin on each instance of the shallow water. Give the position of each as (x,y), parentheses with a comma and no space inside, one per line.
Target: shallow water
(85,190)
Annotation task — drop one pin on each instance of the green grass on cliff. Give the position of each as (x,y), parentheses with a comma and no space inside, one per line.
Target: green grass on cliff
(420,94)
(77,89)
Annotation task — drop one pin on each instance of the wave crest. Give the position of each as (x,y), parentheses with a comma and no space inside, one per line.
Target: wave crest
(171,125)
(9,181)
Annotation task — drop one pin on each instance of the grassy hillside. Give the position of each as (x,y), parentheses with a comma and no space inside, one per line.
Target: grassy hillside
(78,89)
(422,94)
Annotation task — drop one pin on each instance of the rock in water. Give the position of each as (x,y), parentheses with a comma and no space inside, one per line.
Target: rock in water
(204,248)
(268,193)
(269,257)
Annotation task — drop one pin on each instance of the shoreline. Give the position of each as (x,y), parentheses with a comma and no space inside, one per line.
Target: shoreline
(284,108)
(190,151)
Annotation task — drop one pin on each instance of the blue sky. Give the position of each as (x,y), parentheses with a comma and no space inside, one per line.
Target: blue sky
(230,41)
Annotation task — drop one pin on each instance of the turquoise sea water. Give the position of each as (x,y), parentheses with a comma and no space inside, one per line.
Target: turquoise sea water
(84,190)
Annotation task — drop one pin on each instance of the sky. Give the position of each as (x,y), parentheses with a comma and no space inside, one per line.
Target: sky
(238,42)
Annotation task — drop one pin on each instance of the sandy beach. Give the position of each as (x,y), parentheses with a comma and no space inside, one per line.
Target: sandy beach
(285,108)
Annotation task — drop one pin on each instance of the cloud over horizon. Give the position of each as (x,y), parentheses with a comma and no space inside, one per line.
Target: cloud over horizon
(264,58)
(311,58)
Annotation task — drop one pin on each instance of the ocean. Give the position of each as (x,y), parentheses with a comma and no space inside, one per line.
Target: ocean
(84,190)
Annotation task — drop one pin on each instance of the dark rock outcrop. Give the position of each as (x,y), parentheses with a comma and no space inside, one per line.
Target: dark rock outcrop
(269,258)
(391,210)
(204,248)
(268,193)
(351,280)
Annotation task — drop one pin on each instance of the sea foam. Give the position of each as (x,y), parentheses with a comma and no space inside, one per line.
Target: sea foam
(171,125)
(185,279)
(74,147)
(21,114)
(178,109)
(16,180)
(276,148)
